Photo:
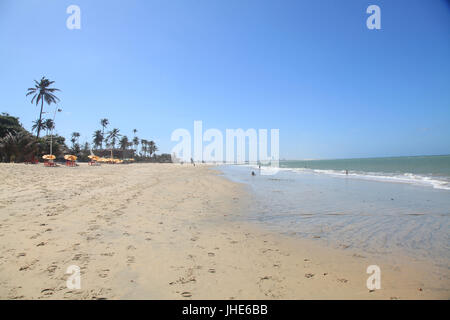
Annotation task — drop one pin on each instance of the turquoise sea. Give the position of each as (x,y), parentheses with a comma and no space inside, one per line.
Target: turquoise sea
(383,205)
(424,170)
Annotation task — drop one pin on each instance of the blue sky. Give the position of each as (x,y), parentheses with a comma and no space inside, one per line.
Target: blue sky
(312,69)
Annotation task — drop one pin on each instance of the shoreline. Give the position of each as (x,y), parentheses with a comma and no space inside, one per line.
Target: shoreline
(165,231)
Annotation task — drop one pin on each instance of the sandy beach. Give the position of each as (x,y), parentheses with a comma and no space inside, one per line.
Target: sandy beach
(166,231)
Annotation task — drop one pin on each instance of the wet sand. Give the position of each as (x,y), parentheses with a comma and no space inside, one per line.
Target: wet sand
(163,231)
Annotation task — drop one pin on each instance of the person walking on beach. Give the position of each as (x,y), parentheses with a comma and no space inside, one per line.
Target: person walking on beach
(192,161)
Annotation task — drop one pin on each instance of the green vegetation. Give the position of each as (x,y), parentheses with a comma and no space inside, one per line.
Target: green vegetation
(9,124)
(41,92)
(18,145)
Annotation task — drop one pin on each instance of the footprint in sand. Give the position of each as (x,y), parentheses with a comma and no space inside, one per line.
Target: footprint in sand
(309,275)
(270,286)
(103,273)
(52,268)
(84,258)
(108,254)
(28,266)
(47,292)
(212,270)
(186,294)
(211,254)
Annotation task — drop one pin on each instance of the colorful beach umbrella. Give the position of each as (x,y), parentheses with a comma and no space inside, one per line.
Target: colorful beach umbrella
(48,157)
(70,157)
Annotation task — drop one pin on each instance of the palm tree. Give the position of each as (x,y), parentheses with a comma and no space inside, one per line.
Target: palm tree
(38,125)
(144,146)
(18,144)
(136,142)
(49,125)
(41,92)
(98,138)
(152,147)
(75,136)
(124,143)
(113,135)
(104,123)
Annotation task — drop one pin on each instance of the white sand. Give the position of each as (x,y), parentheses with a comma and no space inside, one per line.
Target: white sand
(163,231)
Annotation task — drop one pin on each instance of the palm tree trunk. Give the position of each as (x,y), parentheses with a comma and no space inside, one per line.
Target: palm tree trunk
(103,136)
(40,118)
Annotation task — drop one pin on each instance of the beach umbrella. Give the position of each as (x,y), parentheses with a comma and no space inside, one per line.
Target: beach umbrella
(48,157)
(70,157)
(93,157)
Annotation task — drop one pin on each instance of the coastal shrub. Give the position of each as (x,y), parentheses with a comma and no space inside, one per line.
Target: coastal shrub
(19,145)
(9,124)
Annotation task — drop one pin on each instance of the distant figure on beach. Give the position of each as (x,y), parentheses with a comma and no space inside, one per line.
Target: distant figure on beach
(259,167)
(253,173)
(346,172)
(192,161)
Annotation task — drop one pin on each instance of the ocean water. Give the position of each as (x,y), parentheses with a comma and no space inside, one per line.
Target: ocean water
(423,170)
(380,207)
